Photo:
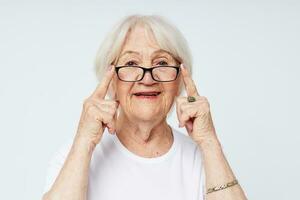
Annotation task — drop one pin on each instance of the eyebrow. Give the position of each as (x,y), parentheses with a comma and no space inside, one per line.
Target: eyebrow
(138,53)
(178,60)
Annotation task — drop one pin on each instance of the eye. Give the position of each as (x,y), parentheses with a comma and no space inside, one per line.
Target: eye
(130,63)
(162,63)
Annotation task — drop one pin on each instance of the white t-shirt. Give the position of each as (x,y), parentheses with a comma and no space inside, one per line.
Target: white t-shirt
(116,173)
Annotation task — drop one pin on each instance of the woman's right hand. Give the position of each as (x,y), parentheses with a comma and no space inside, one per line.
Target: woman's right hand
(98,113)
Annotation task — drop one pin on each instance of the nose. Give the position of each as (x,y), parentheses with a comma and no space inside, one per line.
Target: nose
(147,79)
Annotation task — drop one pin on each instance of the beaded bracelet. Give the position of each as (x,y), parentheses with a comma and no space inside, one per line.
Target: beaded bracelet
(217,188)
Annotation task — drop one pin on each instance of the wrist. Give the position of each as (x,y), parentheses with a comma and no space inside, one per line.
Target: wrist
(210,143)
(83,145)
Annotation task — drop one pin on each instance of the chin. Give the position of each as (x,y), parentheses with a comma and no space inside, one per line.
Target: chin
(147,114)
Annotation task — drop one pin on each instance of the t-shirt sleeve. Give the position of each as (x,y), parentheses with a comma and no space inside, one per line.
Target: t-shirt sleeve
(55,164)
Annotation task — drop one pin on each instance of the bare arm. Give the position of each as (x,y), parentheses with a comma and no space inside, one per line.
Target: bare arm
(194,113)
(72,180)
(218,172)
(97,113)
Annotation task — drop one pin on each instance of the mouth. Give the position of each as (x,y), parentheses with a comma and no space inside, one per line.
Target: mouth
(149,95)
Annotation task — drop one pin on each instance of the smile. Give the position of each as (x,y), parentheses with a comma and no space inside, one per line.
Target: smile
(147,95)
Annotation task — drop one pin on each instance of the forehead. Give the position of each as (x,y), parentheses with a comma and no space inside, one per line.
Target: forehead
(140,42)
(140,37)
(154,53)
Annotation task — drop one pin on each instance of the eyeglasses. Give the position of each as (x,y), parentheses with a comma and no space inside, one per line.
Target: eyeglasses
(136,73)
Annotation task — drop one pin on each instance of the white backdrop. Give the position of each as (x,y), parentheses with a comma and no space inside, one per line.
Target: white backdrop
(246,62)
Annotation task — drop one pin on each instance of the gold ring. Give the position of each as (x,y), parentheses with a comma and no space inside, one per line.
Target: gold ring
(191,99)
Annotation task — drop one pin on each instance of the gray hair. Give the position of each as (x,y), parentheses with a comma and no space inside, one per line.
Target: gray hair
(168,37)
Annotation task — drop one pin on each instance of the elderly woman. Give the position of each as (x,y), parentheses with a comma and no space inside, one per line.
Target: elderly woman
(124,147)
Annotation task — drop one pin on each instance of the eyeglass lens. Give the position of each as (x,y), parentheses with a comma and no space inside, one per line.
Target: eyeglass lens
(133,73)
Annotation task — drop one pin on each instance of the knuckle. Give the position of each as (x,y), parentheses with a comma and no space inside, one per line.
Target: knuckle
(86,102)
(180,99)
(190,111)
(89,102)
(107,118)
(184,107)
(91,111)
(181,109)
(112,103)
(111,111)
(86,106)
(110,117)
(204,104)
(206,109)
(204,98)
(183,116)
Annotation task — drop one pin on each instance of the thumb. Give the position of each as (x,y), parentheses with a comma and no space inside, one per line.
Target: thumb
(189,126)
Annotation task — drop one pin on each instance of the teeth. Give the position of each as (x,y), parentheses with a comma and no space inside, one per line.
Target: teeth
(147,94)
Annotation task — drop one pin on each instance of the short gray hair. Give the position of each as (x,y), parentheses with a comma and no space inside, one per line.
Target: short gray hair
(168,37)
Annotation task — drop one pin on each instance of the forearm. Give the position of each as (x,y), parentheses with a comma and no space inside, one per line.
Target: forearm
(218,172)
(72,181)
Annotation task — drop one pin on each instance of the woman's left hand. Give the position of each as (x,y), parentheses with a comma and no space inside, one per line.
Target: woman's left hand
(195,116)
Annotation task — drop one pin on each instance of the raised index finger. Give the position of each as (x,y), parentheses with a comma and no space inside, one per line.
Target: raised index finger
(190,86)
(102,88)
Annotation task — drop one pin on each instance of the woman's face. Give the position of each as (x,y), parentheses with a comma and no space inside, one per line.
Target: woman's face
(141,49)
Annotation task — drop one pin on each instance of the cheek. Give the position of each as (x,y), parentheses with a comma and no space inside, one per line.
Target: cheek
(172,88)
(170,91)
(123,91)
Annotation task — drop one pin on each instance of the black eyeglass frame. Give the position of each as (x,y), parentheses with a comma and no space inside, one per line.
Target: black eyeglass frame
(117,68)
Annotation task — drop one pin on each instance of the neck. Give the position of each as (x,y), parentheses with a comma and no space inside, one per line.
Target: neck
(145,138)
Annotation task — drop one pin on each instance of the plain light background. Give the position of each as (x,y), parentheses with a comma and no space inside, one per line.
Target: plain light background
(246,62)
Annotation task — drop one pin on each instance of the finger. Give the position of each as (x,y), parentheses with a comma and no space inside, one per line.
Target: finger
(102,88)
(189,126)
(106,102)
(116,119)
(178,112)
(107,119)
(107,106)
(190,86)
(188,114)
(184,106)
(111,115)
(111,127)
(179,102)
